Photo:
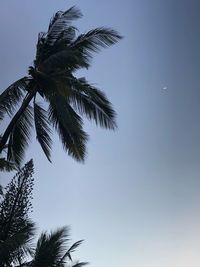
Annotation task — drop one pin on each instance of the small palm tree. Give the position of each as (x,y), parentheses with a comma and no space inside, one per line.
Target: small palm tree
(60,53)
(52,250)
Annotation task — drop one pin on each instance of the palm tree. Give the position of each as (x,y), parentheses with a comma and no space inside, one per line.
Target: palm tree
(52,250)
(59,54)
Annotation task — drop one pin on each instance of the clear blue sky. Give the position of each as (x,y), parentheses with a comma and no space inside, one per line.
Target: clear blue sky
(136,200)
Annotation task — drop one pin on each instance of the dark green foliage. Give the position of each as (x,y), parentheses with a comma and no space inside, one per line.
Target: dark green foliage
(16,247)
(88,100)
(42,129)
(6,165)
(20,136)
(69,127)
(60,52)
(16,230)
(52,250)
(12,96)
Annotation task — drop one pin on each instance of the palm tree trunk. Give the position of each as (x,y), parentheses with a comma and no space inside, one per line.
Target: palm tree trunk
(14,120)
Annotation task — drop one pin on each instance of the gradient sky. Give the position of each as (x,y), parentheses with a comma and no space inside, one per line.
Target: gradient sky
(136,200)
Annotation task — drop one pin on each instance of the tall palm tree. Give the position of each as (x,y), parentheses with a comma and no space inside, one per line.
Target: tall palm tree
(59,54)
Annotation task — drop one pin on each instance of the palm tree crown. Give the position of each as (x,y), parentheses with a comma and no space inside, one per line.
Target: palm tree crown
(52,250)
(59,54)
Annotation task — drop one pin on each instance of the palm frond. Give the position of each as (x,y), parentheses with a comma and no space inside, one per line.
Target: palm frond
(26,235)
(65,37)
(42,129)
(70,250)
(80,264)
(69,127)
(17,246)
(59,22)
(92,102)
(7,166)
(12,96)
(1,190)
(66,59)
(51,247)
(44,51)
(20,136)
(94,40)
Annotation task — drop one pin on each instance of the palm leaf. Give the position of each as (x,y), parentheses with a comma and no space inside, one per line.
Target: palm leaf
(1,190)
(65,37)
(42,129)
(18,245)
(90,101)
(71,249)
(20,136)
(12,96)
(65,59)
(6,165)
(95,39)
(80,264)
(50,247)
(59,22)
(69,127)
(44,51)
